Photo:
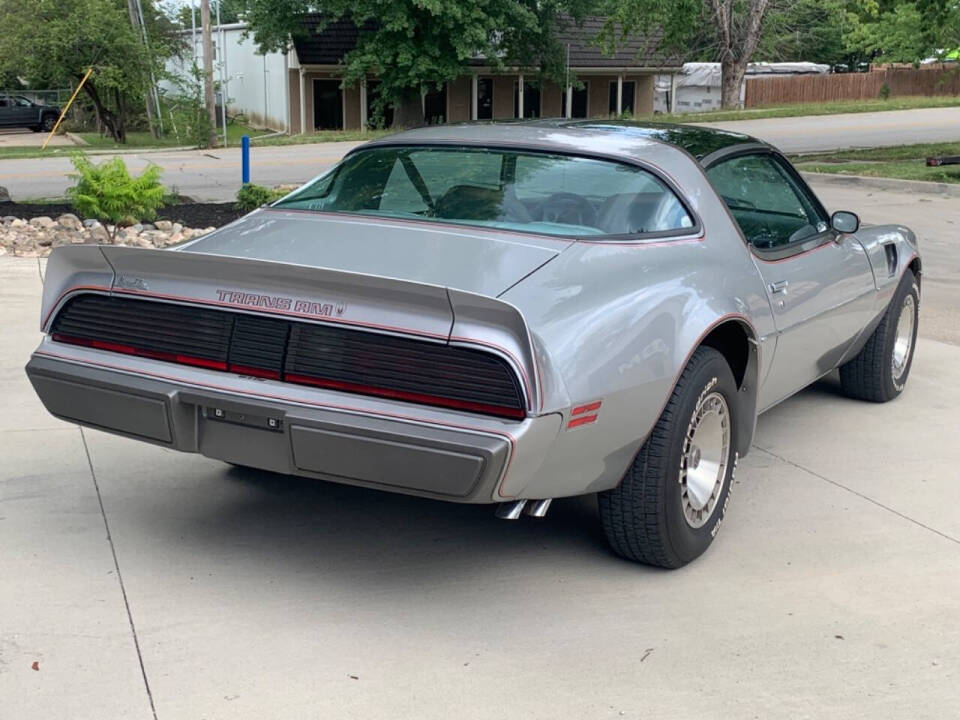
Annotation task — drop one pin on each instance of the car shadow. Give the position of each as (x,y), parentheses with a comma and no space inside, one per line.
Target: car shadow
(369,538)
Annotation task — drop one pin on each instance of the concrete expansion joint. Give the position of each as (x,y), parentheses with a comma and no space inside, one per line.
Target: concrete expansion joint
(116,567)
(850,490)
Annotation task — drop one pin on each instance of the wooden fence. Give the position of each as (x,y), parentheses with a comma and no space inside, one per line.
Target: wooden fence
(764,91)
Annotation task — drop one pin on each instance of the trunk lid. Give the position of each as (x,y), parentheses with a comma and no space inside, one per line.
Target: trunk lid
(486,262)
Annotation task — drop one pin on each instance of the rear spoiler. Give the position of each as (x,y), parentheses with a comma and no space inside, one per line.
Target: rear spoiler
(379,304)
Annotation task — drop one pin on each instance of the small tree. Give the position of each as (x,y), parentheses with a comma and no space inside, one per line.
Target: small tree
(108,193)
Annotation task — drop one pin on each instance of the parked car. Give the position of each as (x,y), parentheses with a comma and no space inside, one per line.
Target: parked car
(18,111)
(496,313)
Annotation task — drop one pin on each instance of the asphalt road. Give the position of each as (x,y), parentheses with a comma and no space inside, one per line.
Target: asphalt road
(138,582)
(215,175)
(852,130)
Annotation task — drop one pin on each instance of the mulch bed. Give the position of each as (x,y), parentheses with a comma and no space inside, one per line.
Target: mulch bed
(195,215)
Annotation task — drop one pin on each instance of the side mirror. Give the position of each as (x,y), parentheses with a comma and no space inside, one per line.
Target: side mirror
(845,222)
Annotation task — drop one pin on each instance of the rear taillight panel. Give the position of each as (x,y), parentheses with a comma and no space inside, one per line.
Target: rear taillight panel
(336,358)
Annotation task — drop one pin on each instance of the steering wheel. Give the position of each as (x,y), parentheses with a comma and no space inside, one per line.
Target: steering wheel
(568,209)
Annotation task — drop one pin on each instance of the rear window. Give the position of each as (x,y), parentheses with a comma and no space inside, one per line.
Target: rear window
(532,192)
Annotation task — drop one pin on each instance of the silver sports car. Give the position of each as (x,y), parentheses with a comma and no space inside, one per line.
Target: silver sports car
(496,313)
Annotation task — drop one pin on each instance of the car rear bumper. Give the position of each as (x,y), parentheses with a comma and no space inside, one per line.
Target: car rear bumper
(310,433)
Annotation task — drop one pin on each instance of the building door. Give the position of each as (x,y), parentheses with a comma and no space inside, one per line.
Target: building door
(626,100)
(484,98)
(435,106)
(531,100)
(373,89)
(327,105)
(579,104)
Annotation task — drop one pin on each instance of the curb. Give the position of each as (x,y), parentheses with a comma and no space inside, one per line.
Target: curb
(913,186)
(75,139)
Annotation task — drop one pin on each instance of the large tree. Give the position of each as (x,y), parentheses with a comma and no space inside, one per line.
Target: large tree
(52,43)
(411,45)
(724,30)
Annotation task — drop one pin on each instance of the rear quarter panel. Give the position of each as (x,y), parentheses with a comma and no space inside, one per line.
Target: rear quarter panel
(618,321)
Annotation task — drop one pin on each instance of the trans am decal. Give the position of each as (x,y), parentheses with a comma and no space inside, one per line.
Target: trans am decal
(279,302)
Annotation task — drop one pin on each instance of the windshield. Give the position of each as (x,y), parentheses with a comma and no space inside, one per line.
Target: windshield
(515,190)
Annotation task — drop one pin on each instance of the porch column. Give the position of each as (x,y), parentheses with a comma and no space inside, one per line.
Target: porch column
(569,113)
(619,94)
(520,97)
(363,106)
(672,108)
(303,103)
(474,97)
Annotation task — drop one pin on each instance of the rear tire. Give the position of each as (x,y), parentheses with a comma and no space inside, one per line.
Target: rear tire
(879,371)
(672,500)
(47,123)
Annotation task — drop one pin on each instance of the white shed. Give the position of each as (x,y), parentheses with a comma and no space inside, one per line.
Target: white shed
(698,84)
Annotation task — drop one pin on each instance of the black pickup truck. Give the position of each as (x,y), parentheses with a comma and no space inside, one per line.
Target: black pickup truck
(17,111)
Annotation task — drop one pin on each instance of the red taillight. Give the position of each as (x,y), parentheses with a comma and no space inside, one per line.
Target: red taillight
(139,352)
(514,413)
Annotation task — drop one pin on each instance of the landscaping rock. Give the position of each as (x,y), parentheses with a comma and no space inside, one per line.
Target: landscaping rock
(98,234)
(69,221)
(4,195)
(40,235)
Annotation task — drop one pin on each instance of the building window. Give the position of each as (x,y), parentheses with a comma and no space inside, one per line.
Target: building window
(579,101)
(435,106)
(626,104)
(485,98)
(327,105)
(531,100)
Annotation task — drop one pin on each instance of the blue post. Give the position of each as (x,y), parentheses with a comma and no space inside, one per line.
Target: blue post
(245,155)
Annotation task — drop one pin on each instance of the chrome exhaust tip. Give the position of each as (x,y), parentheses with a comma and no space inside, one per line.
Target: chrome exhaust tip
(510,510)
(538,508)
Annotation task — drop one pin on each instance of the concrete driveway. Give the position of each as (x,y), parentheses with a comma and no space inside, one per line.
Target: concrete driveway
(143,583)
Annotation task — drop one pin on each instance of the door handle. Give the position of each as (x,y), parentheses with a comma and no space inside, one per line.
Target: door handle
(778,287)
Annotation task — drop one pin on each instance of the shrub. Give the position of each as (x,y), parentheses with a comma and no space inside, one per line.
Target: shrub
(108,193)
(885,91)
(251,196)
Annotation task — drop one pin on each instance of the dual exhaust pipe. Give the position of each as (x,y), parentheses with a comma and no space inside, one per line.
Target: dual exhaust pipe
(515,508)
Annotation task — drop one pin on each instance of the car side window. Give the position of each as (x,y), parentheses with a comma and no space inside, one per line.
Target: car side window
(770,207)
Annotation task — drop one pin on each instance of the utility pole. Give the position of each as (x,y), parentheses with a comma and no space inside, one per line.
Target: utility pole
(208,71)
(135,23)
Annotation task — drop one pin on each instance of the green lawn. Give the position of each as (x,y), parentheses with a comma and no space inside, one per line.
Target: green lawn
(826,108)
(145,140)
(325,136)
(904,162)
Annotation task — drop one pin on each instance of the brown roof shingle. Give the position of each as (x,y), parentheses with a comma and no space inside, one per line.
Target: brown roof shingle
(328,46)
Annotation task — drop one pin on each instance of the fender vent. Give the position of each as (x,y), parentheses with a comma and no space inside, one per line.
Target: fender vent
(335,358)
